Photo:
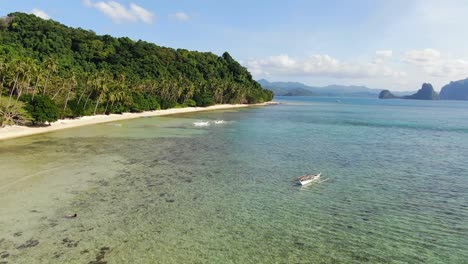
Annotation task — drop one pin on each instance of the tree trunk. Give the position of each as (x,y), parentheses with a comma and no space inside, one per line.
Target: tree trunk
(13,89)
(87,98)
(81,96)
(97,103)
(45,84)
(21,91)
(68,97)
(105,110)
(35,88)
(55,95)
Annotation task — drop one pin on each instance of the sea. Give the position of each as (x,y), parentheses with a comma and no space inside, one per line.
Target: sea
(184,189)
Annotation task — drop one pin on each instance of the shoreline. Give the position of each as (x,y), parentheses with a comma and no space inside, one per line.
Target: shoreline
(10,132)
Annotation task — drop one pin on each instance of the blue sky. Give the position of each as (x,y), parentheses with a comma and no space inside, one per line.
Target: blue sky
(395,44)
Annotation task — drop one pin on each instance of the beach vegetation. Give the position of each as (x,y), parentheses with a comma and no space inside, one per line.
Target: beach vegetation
(12,112)
(42,109)
(81,73)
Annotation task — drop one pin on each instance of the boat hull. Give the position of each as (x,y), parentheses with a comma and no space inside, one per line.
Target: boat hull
(315,178)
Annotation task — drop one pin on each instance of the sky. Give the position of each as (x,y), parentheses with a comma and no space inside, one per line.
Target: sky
(396,45)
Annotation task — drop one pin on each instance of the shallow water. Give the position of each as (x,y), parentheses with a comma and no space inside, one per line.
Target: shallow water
(161,190)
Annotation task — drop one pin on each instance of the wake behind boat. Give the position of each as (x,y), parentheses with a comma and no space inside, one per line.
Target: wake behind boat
(306,179)
(201,124)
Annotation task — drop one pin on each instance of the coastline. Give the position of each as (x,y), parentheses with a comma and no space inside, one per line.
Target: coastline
(10,132)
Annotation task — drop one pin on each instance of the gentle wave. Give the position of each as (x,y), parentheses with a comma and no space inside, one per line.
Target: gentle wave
(208,123)
(201,124)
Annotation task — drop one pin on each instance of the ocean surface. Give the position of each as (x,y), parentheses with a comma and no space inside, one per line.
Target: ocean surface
(162,190)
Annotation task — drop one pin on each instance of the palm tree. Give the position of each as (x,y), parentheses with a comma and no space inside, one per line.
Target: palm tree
(101,88)
(30,68)
(51,67)
(39,76)
(16,68)
(72,83)
(3,73)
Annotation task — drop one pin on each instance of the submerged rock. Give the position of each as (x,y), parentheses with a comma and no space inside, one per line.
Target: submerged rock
(29,244)
(100,256)
(4,254)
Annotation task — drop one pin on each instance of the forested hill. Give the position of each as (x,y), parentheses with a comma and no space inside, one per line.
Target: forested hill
(44,63)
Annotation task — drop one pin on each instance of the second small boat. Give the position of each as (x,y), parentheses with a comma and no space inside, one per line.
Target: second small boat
(306,179)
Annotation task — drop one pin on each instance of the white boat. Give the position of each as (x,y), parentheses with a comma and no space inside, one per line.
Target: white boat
(201,124)
(306,179)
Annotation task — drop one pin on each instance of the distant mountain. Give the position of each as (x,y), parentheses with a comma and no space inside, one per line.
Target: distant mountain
(386,94)
(299,92)
(455,91)
(300,89)
(425,93)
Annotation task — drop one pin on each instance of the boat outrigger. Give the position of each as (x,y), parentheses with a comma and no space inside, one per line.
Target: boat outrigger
(306,179)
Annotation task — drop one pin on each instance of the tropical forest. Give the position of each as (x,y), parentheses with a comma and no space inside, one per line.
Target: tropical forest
(50,71)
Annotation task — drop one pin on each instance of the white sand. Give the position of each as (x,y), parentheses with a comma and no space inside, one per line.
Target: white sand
(9,132)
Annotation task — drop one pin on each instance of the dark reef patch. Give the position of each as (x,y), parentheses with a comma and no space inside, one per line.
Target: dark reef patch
(299,244)
(70,243)
(100,256)
(29,244)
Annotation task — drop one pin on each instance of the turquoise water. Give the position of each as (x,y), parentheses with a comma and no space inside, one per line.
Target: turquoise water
(160,190)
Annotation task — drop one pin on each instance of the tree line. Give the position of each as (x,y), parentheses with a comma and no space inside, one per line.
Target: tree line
(50,71)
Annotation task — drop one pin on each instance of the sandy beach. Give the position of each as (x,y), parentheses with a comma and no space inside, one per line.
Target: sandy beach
(10,132)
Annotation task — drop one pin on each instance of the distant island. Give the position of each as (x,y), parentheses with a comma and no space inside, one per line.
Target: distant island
(300,89)
(50,71)
(425,93)
(457,90)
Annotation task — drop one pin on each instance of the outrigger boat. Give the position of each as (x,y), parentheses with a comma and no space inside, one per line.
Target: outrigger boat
(306,179)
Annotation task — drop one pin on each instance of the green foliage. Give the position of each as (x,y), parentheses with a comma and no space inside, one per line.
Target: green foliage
(143,103)
(42,109)
(12,112)
(167,104)
(191,103)
(77,109)
(84,73)
(204,99)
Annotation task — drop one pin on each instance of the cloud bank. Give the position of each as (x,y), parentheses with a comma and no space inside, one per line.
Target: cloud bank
(322,65)
(433,63)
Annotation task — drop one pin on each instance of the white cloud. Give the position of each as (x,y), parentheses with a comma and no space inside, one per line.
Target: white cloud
(384,53)
(422,57)
(120,13)
(319,65)
(144,15)
(40,13)
(180,16)
(433,63)
(382,56)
